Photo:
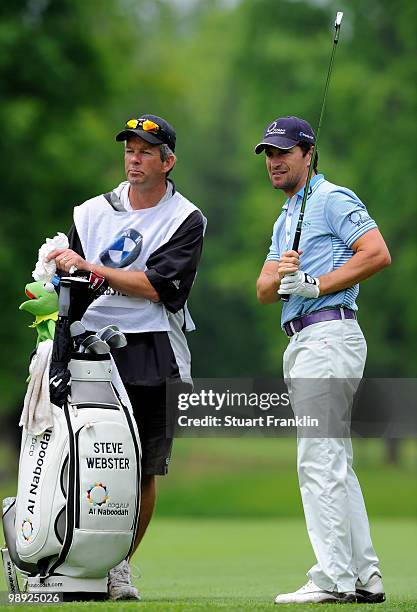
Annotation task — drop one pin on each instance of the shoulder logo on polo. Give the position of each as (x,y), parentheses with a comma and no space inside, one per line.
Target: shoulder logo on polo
(358,218)
(124,250)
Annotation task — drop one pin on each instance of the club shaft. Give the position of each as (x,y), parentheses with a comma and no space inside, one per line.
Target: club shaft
(297,236)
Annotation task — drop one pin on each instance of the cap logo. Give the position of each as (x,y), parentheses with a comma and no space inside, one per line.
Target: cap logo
(273,129)
(306,135)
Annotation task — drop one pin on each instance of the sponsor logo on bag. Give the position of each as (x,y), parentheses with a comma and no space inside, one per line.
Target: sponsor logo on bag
(97,494)
(109,512)
(43,444)
(27,530)
(32,446)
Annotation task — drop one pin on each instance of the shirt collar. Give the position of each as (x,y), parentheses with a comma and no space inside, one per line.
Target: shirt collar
(170,190)
(317,178)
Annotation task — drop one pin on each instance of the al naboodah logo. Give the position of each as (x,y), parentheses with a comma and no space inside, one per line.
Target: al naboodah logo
(97,494)
(27,530)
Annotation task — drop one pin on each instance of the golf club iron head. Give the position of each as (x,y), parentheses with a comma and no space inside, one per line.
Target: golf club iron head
(113,337)
(94,344)
(77,331)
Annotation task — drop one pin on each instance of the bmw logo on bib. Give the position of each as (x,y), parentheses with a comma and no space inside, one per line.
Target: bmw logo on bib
(124,250)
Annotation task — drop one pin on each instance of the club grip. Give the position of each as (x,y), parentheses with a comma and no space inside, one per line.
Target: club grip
(295,245)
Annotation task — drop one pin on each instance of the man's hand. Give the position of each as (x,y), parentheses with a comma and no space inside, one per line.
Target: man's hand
(68,260)
(300,283)
(130,282)
(289,263)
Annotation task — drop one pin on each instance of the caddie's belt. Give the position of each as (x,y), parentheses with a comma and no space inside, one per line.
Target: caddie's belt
(326,314)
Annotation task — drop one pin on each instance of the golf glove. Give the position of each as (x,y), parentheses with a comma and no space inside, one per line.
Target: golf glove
(300,283)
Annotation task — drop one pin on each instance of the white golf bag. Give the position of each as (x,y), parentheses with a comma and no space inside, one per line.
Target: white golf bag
(75,514)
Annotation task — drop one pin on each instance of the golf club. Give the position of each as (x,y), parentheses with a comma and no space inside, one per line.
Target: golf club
(113,336)
(297,237)
(94,344)
(77,331)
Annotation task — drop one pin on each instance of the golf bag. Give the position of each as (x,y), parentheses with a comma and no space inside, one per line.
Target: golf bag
(75,514)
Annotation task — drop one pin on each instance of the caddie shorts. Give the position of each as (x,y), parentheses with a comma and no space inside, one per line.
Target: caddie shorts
(149,409)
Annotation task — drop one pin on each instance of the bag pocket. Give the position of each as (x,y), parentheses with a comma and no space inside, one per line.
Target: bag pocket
(106,497)
(93,552)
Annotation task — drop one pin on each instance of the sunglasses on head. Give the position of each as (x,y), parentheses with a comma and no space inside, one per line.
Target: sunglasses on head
(144,124)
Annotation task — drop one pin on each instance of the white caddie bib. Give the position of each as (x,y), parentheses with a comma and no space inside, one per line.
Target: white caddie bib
(125,240)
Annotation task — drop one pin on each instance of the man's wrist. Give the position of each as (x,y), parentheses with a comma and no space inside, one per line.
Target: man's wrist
(322,285)
(277,285)
(94,269)
(319,286)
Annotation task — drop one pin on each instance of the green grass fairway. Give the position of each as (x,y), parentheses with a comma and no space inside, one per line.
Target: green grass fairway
(257,477)
(240,564)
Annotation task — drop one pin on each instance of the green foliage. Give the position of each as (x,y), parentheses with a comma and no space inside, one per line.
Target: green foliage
(73,71)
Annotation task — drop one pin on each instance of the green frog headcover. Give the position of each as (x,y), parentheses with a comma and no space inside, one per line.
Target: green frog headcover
(43,305)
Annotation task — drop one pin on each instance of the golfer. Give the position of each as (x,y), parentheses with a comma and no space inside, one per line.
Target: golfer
(146,239)
(340,247)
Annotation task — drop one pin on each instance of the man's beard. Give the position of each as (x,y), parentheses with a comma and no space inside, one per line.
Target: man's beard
(289,185)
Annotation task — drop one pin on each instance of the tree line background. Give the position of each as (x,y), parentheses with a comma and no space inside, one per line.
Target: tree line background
(73,71)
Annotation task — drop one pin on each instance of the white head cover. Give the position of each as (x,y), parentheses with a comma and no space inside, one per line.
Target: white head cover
(339,18)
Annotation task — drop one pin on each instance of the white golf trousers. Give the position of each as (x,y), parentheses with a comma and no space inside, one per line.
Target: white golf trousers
(334,508)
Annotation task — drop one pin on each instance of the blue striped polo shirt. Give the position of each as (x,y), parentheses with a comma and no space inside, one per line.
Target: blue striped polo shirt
(334,219)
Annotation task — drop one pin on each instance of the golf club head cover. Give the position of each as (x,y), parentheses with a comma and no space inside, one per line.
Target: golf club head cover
(86,287)
(97,284)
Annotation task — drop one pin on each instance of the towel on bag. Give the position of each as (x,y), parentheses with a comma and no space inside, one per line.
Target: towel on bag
(36,415)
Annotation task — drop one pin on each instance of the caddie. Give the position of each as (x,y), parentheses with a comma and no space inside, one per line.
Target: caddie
(340,247)
(145,239)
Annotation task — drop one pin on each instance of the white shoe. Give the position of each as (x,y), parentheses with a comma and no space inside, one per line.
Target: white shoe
(120,583)
(311,593)
(372,591)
